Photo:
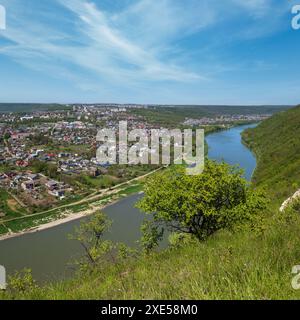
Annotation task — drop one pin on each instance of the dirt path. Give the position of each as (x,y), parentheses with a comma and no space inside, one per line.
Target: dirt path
(18,200)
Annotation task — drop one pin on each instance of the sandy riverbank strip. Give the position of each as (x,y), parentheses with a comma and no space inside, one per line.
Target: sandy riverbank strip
(52,224)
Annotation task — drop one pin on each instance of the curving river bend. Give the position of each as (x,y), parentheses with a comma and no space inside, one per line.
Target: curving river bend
(49,253)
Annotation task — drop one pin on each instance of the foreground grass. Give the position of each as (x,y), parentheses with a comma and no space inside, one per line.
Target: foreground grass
(241,265)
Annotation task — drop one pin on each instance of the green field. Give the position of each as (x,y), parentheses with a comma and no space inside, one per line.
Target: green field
(9,207)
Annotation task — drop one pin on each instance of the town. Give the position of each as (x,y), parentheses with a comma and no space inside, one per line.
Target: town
(48,157)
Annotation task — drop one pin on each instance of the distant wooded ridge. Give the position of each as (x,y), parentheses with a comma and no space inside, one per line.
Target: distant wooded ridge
(30,107)
(201,109)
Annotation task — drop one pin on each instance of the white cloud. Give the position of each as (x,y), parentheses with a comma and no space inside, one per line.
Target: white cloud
(153,22)
(255,7)
(132,46)
(104,50)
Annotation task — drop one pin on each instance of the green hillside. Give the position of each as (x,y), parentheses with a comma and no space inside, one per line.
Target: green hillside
(253,262)
(31,107)
(276,144)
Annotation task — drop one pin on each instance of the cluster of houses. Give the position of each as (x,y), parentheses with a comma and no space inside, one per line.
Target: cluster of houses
(34,185)
(225,119)
(77,165)
(63,128)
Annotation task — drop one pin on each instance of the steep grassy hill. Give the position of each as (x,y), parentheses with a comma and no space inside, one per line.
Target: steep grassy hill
(276,143)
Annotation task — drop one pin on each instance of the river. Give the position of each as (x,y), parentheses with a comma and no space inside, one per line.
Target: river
(227,145)
(49,253)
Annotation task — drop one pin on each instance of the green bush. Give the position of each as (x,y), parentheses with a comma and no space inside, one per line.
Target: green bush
(201,204)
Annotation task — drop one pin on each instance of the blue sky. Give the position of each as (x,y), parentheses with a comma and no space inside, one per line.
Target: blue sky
(150,51)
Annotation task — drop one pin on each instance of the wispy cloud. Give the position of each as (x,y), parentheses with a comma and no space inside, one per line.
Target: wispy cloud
(101,48)
(141,43)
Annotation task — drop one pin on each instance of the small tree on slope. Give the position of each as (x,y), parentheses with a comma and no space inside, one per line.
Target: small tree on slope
(200,205)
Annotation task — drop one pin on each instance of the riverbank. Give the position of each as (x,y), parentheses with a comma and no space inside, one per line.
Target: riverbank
(77,210)
(69,218)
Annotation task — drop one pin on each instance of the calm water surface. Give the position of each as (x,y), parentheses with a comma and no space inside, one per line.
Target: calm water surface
(49,253)
(226,145)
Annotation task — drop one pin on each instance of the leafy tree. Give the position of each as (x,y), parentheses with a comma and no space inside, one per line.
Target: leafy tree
(40,139)
(6,136)
(176,239)
(202,204)
(151,236)
(52,171)
(21,282)
(90,235)
(39,166)
(48,169)
(99,252)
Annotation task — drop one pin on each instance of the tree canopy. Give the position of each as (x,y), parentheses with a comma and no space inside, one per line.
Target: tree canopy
(202,204)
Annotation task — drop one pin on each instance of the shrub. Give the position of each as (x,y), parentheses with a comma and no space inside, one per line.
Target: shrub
(202,204)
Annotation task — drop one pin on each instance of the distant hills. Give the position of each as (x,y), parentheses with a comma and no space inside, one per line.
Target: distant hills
(172,115)
(228,109)
(30,107)
(181,110)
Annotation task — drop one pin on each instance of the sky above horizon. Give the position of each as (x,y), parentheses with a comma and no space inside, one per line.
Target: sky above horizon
(149,51)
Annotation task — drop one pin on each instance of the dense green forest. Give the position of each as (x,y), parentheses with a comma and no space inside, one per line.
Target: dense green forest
(30,107)
(211,110)
(249,261)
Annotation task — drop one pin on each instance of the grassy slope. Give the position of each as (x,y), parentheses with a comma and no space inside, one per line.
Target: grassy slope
(240,266)
(277,146)
(244,265)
